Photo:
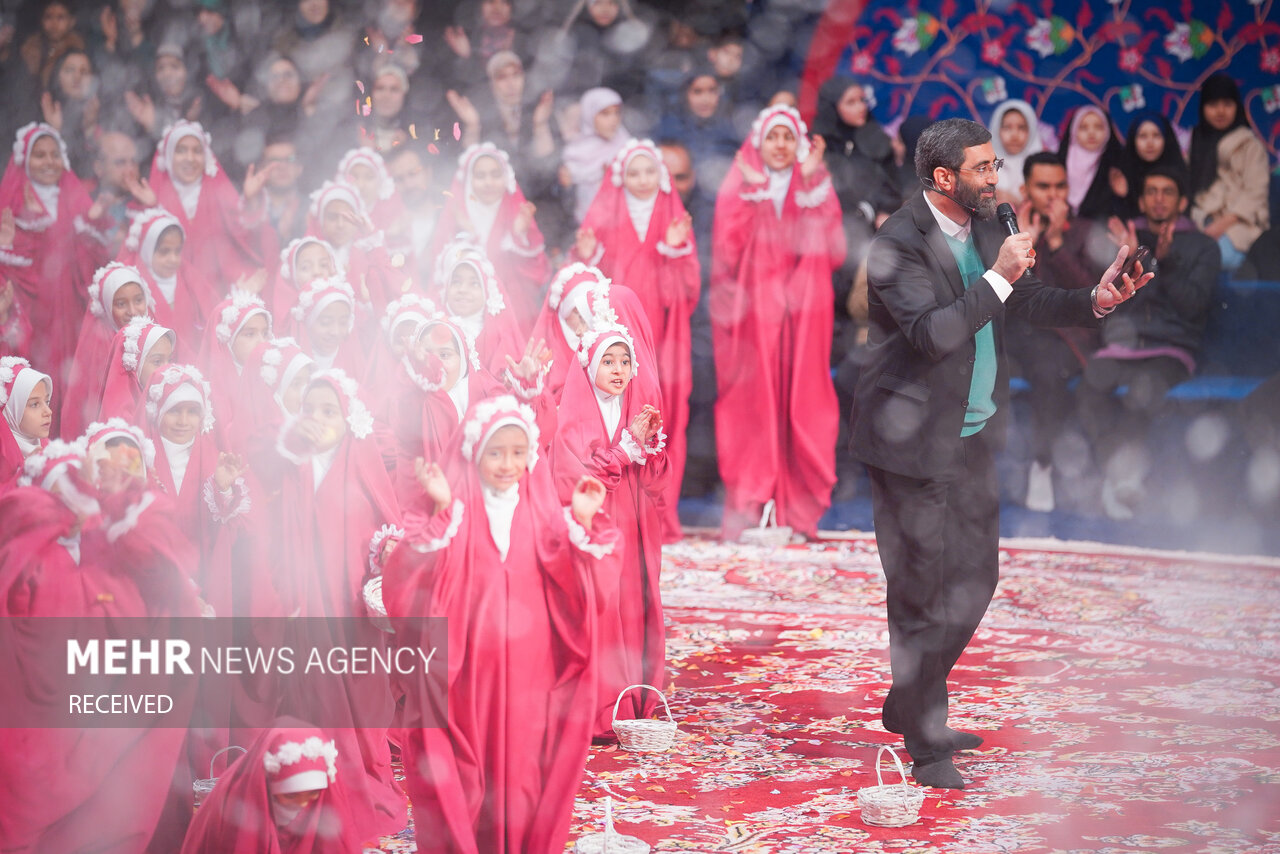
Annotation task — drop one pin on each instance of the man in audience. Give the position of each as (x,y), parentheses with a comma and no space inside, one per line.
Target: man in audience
(1070,253)
(276,177)
(1150,348)
(413,178)
(115,169)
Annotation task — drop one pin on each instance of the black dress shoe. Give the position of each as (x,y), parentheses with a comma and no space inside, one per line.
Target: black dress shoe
(961,740)
(941,774)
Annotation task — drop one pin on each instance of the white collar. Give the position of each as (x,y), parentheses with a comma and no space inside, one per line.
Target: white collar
(500,507)
(320,465)
(178,456)
(610,409)
(641,212)
(948,225)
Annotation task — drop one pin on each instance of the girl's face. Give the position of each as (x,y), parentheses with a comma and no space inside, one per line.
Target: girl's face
(779,148)
(338,223)
(1148,142)
(1220,114)
(171,76)
(495,13)
(37,415)
(312,262)
(313,11)
(254,331)
(1091,132)
(167,256)
(75,77)
(129,301)
(292,396)
(365,180)
(505,458)
(439,343)
(331,327)
(615,369)
(607,121)
(464,295)
(188,160)
(852,107)
(488,180)
(641,177)
(1014,131)
(181,423)
(321,406)
(160,354)
(45,163)
(56,22)
(703,96)
(603,12)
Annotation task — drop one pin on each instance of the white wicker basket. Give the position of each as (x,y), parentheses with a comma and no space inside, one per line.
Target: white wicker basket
(644,735)
(609,842)
(202,788)
(373,601)
(770,534)
(890,805)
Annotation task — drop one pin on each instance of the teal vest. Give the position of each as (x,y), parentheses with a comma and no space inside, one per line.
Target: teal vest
(982,386)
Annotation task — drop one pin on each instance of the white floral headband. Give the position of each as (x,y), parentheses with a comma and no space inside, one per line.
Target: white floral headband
(42,467)
(786,114)
(631,149)
(612,331)
(175,376)
(309,296)
(289,256)
(179,131)
(273,358)
(489,411)
(468,340)
(484,149)
(26,137)
(134,340)
(372,159)
(359,418)
(96,308)
(243,306)
(10,367)
(293,752)
(142,222)
(101,431)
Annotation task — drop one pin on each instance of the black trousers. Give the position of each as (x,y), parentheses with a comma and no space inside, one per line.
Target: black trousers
(939,546)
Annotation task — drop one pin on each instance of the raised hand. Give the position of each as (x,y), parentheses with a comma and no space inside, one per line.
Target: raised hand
(588,497)
(433,482)
(456,39)
(461,104)
(8,228)
(230,468)
(6,300)
(678,231)
(536,354)
(226,91)
(312,96)
(524,219)
(1016,256)
(142,108)
(544,108)
(255,180)
(252,282)
(140,189)
(817,148)
(586,243)
(52,111)
(749,172)
(1109,296)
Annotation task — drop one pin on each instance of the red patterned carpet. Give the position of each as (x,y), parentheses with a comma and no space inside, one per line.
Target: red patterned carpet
(1129,701)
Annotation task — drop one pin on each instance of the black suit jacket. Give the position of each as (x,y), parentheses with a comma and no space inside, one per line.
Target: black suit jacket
(913,387)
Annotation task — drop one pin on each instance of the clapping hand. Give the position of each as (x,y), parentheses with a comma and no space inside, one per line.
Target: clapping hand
(817,148)
(433,482)
(588,498)
(749,172)
(678,231)
(536,354)
(586,243)
(230,468)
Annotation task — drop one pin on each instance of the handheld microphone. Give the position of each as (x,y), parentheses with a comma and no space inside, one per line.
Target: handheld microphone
(932,186)
(1007,217)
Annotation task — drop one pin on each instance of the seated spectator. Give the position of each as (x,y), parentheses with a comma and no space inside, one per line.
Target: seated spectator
(57,35)
(271,189)
(1015,135)
(1229,172)
(70,104)
(169,95)
(413,177)
(318,40)
(604,43)
(1263,260)
(1070,253)
(700,121)
(481,30)
(1091,151)
(1150,348)
(1151,141)
(672,56)
(387,124)
(115,186)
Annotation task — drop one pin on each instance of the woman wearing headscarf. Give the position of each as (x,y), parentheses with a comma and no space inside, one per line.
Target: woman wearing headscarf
(466,287)
(1230,172)
(339,218)
(156,246)
(1151,142)
(26,398)
(137,350)
(1091,153)
(51,242)
(520,577)
(601,135)
(485,201)
(1015,136)
(237,325)
(777,238)
(859,154)
(643,238)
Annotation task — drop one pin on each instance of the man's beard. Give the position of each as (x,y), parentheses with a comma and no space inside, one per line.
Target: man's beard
(972,198)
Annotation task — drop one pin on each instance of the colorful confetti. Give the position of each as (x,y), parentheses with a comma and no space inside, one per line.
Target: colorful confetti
(413,38)
(457,131)
(413,131)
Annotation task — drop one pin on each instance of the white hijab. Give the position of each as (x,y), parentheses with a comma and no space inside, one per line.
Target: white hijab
(500,505)
(23,384)
(179,456)
(1011,175)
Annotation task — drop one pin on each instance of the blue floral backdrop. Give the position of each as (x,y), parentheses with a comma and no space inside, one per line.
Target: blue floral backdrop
(952,57)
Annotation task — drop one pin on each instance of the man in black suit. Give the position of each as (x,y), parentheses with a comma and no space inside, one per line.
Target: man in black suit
(929,412)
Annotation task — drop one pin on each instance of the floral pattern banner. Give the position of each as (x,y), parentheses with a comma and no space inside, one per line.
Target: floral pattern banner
(946,58)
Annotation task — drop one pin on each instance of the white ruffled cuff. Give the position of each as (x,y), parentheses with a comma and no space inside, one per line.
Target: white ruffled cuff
(675,252)
(12,259)
(523,391)
(225,506)
(594,260)
(373,241)
(631,448)
(581,538)
(283,449)
(375,546)
(83,226)
(129,520)
(657,443)
(816,196)
(509,244)
(456,510)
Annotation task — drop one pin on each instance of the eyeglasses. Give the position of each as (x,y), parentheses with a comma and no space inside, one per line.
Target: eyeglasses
(986,168)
